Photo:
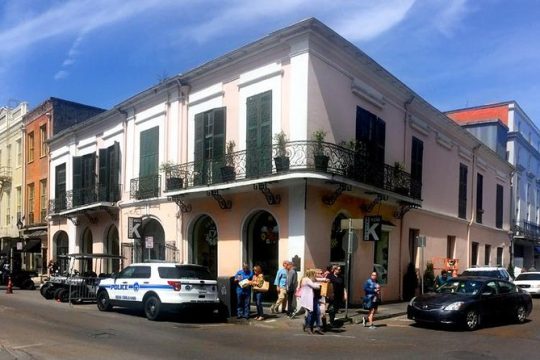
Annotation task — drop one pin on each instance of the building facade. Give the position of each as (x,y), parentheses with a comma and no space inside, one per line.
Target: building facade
(521,147)
(11,176)
(42,122)
(259,155)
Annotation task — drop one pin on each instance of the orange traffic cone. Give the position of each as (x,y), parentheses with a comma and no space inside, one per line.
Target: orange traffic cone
(9,289)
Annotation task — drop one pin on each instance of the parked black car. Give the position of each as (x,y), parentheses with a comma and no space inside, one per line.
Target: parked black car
(21,279)
(471,301)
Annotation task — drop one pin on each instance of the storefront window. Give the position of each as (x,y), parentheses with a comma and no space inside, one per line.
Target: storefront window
(380,258)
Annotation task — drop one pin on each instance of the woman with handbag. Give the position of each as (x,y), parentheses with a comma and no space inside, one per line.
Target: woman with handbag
(309,300)
(259,288)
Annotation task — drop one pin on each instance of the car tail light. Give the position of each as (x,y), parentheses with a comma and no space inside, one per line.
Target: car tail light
(176,285)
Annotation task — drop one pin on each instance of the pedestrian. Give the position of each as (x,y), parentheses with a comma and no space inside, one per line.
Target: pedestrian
(243,291)
(372,299)
(292,284)
(337,301)
(281,284)
(258,282)
(309,301)
(440,280)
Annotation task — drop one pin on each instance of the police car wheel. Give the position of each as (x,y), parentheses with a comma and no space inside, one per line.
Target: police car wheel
(103,301)
(44,290)
(152,308)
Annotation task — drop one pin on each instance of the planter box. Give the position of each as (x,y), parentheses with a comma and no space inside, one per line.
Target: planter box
(228,173)
(321,163)
(174,183)
(282,163)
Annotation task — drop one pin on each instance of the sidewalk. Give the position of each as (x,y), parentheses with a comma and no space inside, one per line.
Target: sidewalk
(355,314)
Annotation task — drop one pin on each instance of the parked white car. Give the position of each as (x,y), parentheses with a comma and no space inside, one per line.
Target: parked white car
(159,287)
(529,281)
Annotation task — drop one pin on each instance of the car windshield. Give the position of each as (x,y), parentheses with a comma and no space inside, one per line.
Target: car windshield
(488,273)
(526,276)
(184,272)
(467,287)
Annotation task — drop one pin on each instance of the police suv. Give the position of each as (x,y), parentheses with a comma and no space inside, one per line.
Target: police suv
(159,287)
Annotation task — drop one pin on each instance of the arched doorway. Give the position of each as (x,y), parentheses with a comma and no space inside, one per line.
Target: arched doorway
(154,236)
(112,247)
(61,249)
(262,245)
(203,245)
(86,246)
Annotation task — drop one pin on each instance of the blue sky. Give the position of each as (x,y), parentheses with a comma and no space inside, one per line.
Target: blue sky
(454,53)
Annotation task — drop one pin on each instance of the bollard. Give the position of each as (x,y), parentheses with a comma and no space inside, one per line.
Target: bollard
(9,289)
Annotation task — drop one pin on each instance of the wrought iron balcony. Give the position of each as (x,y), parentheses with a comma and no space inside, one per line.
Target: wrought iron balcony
(311,156)
(145,187)
(85,196)
(527,229)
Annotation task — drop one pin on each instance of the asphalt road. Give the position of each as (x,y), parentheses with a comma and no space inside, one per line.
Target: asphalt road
(34,328)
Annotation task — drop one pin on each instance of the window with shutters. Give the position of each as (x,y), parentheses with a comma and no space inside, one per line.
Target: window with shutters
(60,187)
(371,131)
(149,164)
(109,173)
(43,200)
(30,147)
(19,152)
(462,206)
(417,156)
(209,145)
(259,134)
(499,207)
(479,197)
(30,189)
(43,140)
(84,179)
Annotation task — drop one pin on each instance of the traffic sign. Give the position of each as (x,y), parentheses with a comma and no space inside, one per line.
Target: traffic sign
(149,242)
(372,228)
(134,225)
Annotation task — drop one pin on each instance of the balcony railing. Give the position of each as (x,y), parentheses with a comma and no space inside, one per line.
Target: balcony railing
(5,173)
(527,229)
(311,156)
(85,196)
(145,187)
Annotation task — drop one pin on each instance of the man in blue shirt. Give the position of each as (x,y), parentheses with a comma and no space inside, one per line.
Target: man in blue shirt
(243,291)
(281,284)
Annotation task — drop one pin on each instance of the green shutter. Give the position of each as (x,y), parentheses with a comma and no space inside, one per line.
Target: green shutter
(259,134)
(148,164)
(103,174)
(77,179)
(114,171)
(200,176)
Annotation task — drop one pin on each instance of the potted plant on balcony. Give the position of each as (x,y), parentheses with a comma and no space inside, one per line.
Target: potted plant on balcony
(321,159)
(282,158)
(172,179)
(228,171)
(400,179)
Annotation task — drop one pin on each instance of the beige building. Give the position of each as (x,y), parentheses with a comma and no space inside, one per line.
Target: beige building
(11,176)
(258,156)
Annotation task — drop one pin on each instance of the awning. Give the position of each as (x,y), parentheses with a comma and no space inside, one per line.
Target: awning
(34,234)
(32,246)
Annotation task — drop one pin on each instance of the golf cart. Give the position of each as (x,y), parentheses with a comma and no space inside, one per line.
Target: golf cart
(77,286)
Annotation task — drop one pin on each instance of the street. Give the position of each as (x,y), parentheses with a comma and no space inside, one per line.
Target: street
(34,328)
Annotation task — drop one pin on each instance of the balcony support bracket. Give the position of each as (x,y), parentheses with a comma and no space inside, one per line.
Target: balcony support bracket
(331,199)
(114,217)
(223,204)
(74,220)
(404,207)
(369,207)
(91,219)
(271,199)
(184,208)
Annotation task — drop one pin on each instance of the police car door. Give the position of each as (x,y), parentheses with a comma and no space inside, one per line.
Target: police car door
(139,283)
(118,290)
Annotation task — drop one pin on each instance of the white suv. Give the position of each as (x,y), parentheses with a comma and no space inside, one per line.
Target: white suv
(159,287)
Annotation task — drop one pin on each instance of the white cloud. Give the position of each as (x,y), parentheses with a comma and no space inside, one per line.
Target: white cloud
(369,21)
(450,15)
(62,74)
